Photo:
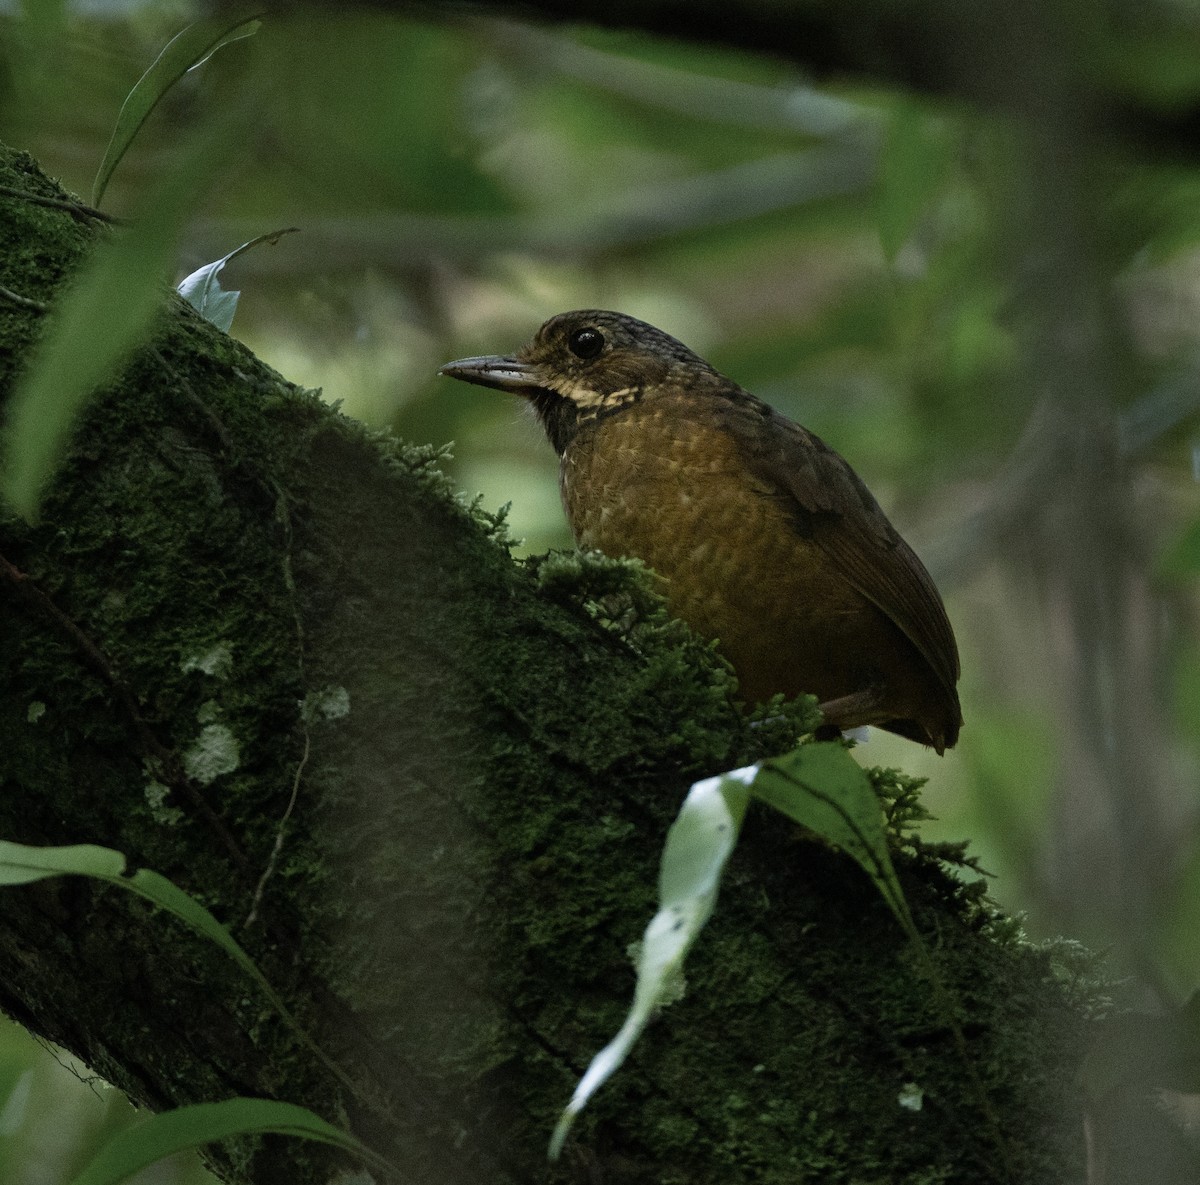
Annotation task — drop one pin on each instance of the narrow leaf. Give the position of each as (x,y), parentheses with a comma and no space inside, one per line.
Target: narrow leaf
(174,1131)
(100,320)
(156,889)
(185,51)
(823,788)
(21,864)
(103,315)
(203,291)
(697,847)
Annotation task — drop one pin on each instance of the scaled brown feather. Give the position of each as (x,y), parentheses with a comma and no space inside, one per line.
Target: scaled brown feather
(835,508)
(764,537)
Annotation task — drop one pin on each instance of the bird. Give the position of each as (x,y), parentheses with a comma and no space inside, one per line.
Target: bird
(763,537)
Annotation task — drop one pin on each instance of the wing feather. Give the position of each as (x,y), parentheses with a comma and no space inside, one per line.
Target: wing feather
(830,504)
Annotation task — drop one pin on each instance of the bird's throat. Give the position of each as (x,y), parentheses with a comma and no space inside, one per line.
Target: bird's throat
(558,415)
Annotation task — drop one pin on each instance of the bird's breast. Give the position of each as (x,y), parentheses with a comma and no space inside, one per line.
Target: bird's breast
(660,484)
(654,483)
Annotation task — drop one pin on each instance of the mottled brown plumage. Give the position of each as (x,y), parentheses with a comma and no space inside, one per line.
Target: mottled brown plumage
(764,537)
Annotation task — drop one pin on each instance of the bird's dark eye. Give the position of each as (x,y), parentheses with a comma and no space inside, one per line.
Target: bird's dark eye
(586,343)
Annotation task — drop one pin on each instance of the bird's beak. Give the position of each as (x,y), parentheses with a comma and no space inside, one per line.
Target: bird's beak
(506,374)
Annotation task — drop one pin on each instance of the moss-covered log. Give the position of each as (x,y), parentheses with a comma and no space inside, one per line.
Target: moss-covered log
(268,654)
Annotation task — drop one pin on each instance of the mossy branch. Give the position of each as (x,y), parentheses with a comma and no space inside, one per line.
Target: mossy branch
(270,655)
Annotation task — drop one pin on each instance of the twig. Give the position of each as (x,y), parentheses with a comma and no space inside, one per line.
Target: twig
(280,832)
(788,107)
(76,209)
(637,216)
(214,421)
(284,517)
(24,302)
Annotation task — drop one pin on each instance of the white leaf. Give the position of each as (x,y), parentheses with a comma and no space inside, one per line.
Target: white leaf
(203,291)
(697,847)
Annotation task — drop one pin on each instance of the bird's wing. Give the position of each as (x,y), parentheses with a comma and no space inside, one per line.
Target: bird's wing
(829,504)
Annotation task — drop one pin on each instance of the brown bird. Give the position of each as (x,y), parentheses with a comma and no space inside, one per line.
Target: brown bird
(765,539)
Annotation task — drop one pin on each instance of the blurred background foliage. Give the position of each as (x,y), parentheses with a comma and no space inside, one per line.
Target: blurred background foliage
(993,316)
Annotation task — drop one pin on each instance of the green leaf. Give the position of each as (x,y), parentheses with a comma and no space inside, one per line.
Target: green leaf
(697,847)
(823,788)
(917,152)
(819,786)
(203,291)
(190,1127)
(21,864)
(185,51)
(100,319)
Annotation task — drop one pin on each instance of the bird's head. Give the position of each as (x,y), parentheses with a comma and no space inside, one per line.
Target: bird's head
(586,364)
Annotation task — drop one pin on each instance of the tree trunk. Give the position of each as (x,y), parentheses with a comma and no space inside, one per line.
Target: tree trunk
(269,654)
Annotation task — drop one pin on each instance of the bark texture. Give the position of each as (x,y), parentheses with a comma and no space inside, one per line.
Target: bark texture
(234,597)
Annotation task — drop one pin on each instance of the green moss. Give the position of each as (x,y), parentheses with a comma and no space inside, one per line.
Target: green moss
(458,772)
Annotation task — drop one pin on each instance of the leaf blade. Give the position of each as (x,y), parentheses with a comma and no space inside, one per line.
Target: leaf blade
(101,318)
(698,845)
(189,1127)
(202,288)
(23,864)
(189,48)
(823,788)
